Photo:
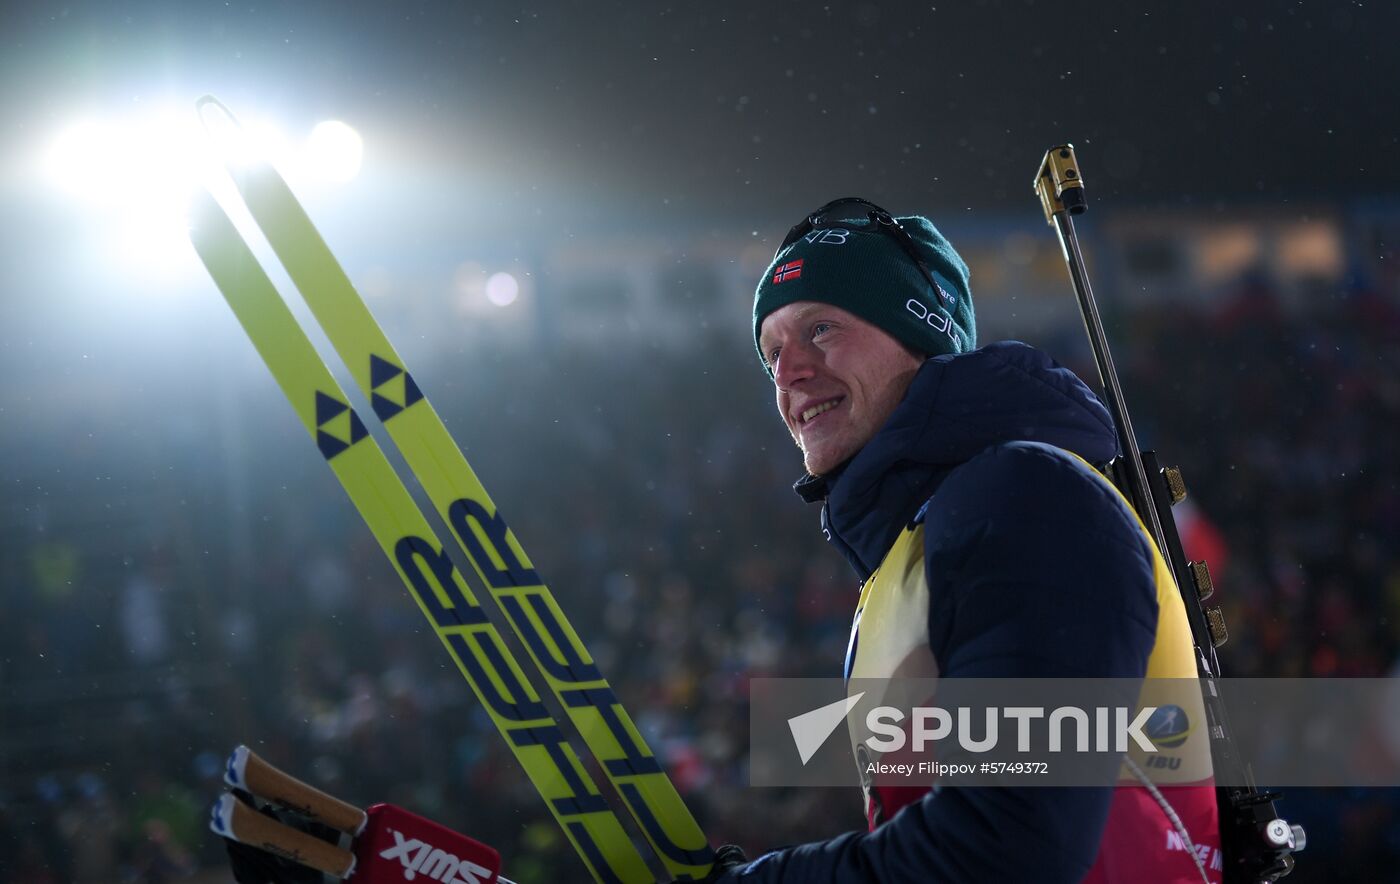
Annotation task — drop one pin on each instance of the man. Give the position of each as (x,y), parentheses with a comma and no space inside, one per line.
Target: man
(957,482)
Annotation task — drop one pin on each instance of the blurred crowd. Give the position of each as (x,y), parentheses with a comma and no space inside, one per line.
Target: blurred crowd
(651,488)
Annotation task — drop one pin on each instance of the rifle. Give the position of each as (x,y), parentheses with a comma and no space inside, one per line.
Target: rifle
(1258,844)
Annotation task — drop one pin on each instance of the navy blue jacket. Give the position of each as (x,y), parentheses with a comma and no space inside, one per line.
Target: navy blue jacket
(1020,541)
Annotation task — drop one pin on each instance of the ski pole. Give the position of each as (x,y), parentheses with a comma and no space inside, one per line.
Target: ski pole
(388,843)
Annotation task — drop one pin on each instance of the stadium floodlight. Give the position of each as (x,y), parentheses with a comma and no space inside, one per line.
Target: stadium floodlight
(116,161)
(72,163)
(133,173)
(333,151)
(502,289)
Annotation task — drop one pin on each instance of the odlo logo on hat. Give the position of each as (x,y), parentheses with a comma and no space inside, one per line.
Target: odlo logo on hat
(935,320)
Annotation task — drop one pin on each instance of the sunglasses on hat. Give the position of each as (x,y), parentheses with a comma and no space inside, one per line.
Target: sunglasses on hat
(880,219)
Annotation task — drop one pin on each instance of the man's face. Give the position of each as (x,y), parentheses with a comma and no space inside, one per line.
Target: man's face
(838,378)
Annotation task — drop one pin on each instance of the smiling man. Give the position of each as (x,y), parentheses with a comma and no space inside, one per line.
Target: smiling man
(840,378)
(957,482)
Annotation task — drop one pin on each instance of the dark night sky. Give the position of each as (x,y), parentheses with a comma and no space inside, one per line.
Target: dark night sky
(759,110)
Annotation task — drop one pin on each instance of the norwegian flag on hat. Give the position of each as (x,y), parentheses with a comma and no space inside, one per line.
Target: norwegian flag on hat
(790,270)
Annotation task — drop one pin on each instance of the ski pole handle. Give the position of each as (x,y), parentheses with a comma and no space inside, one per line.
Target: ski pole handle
(389,844)
(232,818)
(246,771)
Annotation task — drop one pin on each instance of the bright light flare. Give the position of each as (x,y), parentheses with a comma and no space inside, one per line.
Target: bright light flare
(69,163)
(134,175)
(502,289)
(153,158)
(333,151)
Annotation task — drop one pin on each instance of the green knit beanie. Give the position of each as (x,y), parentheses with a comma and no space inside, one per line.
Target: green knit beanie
(860,267)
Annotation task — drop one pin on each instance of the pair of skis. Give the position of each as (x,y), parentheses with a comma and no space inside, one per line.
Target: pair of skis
(496,676)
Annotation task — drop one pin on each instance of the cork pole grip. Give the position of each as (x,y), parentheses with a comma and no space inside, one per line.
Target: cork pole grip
(234,819)
(249,772)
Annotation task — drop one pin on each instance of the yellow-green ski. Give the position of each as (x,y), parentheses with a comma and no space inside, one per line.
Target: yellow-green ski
(416,553)
(459,497)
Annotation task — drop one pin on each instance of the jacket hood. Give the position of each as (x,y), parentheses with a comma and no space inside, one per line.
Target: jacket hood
(956,406)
